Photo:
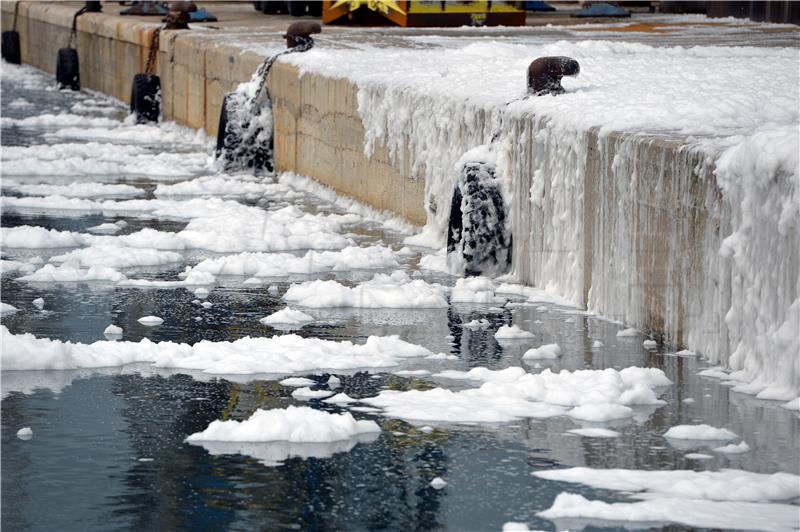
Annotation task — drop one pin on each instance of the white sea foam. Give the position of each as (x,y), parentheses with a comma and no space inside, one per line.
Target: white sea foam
(292,424)
(283,354)
(287,316)
(513,332)
(725,485)
(688,512)
(547,351)
(397,290)
(505,395)
(699,432)
(282,264)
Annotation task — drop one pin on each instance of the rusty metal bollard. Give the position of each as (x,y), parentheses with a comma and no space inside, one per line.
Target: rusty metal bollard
(299,33)
(178,17)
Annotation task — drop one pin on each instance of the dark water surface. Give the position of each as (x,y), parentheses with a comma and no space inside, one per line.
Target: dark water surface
(108,450)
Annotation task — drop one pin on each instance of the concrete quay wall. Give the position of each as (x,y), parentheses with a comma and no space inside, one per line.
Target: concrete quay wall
(318,131)
(625,252)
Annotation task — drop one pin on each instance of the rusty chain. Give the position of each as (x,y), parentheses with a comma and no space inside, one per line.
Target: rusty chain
(153,55)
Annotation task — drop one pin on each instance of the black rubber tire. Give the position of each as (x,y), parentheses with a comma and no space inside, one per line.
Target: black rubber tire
(146,98)
(10,47)
(478,226)
(315,8)
(68,72)
(259,6)
(230,147)
(272,7)
(297,9)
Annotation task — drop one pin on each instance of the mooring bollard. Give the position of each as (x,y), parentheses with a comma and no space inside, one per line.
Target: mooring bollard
(545,73)
(243,142)
(178,16)
(10,45)
(299,33)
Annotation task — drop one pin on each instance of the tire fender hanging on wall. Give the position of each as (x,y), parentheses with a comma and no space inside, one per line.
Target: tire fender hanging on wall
(478,236)
(146,87)
(10,46)
(68,72)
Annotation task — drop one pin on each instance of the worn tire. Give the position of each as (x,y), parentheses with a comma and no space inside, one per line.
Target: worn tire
(10,47)
(478,235)
(68,70)
(146,98)
(230,149)
(223,124)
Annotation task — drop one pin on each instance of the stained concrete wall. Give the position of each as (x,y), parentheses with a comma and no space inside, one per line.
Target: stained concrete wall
(195,70)
(318,131)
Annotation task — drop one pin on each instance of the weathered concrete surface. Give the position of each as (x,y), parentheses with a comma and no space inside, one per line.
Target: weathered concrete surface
(318,130)
(319,133)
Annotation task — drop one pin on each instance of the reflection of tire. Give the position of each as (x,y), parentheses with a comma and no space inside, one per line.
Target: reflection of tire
(10,47)
(146,98)
(297,9)
(67,70)
(478,234)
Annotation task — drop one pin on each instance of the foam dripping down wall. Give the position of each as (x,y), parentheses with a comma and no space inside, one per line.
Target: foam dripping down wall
(698,244)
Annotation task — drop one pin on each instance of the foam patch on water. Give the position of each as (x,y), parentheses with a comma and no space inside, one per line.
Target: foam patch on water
(13,266)
(509,394)
(32,237)
(731,499)
(117,257)
(383,291)
(306,394)
(473,290)
(725,485)
(287,316)
(284,354)
(67,273)
(513,332)
(283,264)
(292,424)
(547,351)
(387,219)
(595,432)
(699,432)
(688,512)
(217,186)
(7,308)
